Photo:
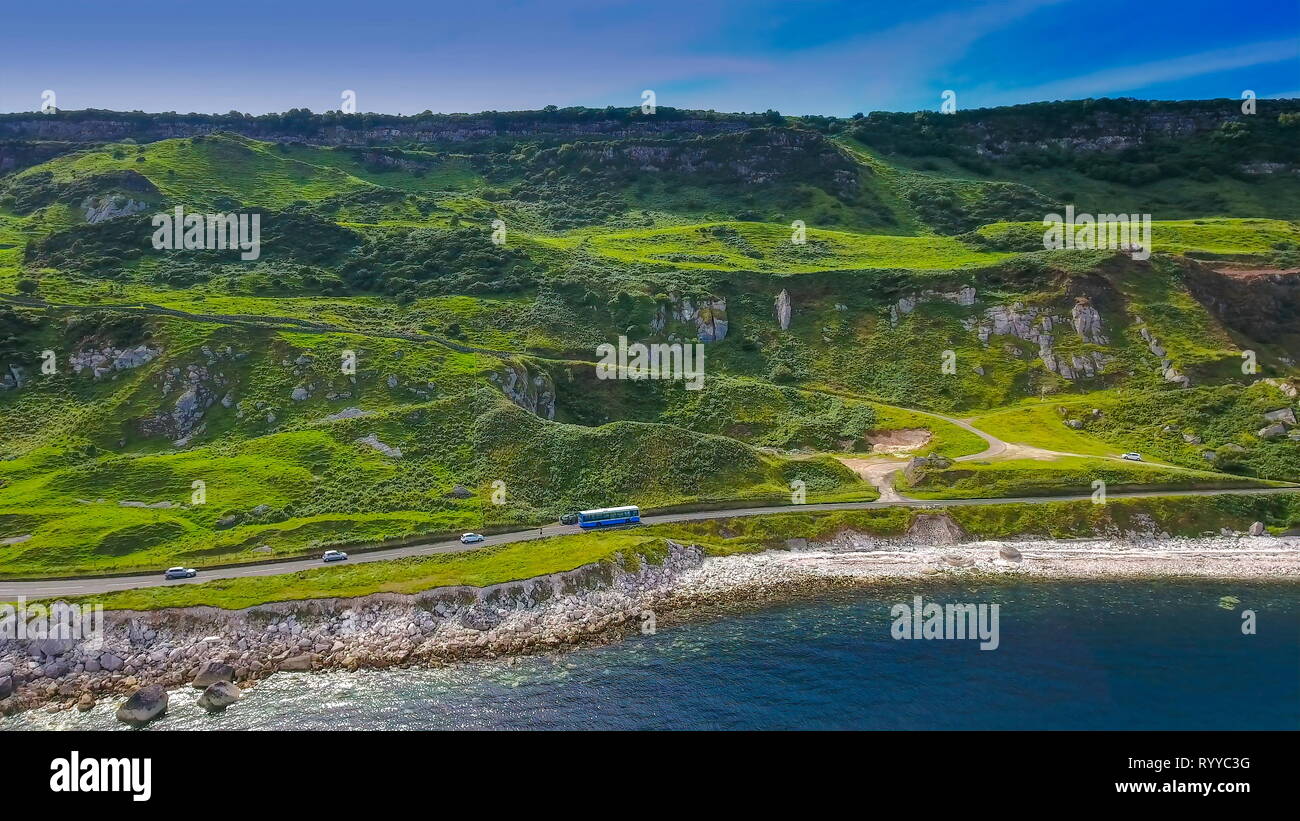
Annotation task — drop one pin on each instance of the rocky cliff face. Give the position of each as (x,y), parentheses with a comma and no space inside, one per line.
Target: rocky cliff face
(1037,324)
(12,377)
(1261,305)
(111,206)
(709,317)
(1116,140)
(906,304)
(188,392)
(1104,131)
(1109,127)
(1087,322)
(15,155)
(1167,369)
(532,390)
(756,158)
(103,361)
(783,309)
(1041,326)
(360,131)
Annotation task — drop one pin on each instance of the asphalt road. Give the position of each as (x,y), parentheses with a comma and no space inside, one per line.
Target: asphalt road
(11,590)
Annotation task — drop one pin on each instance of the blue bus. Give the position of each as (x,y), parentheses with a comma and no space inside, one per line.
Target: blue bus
(604,516)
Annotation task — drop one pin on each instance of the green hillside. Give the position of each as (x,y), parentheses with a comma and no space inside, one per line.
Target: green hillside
(856,289)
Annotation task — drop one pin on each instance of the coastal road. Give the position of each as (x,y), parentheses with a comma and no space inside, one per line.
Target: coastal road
(53,588)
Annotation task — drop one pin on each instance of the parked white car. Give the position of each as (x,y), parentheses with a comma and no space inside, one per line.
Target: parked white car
(180,573)
(470,538)
(333,556)
(1132,457)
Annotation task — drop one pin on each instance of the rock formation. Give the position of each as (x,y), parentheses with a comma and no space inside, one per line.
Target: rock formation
(534,392)
(143,706)
(218,696)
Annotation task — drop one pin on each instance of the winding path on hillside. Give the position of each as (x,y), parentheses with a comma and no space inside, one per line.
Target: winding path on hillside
(881,472)
(11,590)
(1002,449)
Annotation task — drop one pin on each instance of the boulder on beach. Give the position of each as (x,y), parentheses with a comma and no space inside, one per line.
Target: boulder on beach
(1257,529)
(218,696)
(144,705)
(53,648)
(56,669)
(958,561)
(936,529)
(1009,553)
(6,686)
(298,663)
(210,672)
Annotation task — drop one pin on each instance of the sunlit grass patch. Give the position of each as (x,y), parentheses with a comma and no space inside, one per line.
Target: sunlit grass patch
(1041,425)
(763,247)
(1212,235)
(1066,475)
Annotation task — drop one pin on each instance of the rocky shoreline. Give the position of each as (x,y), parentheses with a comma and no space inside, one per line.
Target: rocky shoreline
(143,654)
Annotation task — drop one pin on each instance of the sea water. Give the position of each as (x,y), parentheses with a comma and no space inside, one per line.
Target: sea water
(1095,655)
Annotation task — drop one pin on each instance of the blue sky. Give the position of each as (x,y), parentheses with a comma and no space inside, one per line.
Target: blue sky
(797,56)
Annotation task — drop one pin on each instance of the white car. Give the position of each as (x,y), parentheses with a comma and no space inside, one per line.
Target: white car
(333,556)
(1132,457)
(470,538)
(180,573)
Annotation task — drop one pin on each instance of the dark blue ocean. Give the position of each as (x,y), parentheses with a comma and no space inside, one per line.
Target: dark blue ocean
(1148,655)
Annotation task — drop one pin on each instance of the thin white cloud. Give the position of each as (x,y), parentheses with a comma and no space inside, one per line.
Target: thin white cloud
(883,70)
(1114,81)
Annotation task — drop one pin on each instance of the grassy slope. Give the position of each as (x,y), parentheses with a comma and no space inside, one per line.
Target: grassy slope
(1158,424)
(202,173)
(1059,476)
(1040,425)
(766,248)
(1213,236)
